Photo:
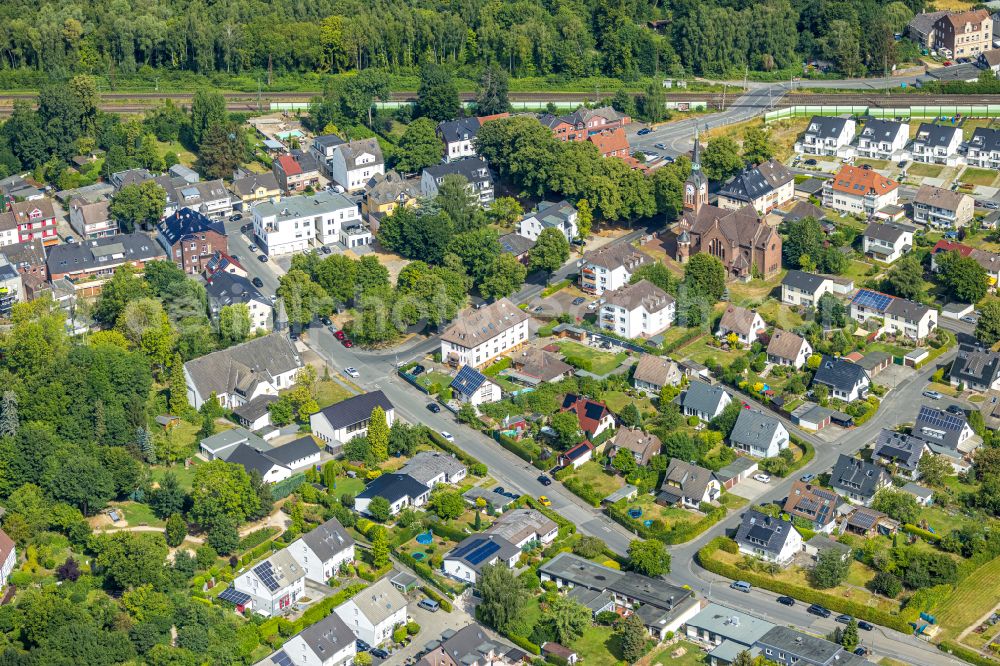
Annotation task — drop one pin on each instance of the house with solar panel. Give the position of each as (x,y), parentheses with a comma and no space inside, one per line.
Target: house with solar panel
(858,480)
(758,434)
(815,504)
(900,450)
(338,423)
(274,584)
(550,215)
(892,315)
(329,642)
(594,416)
(373,613)
(867,522)
(466,561)
(322,550)
(845,380)
(770,539)
(947,434)
(473,387)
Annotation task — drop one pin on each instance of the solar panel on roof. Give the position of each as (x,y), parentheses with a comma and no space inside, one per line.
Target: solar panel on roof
(265,572)
(872,299)
(233,595)
(483,552)
(467,548)
(282,659)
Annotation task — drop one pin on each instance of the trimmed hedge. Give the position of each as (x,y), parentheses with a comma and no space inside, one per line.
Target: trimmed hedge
(808,453)
(966,654)
(524,644)
(433,594)
(521,451)
(498,367)
(926,535)
(808,595)
(315,613)
(447,531)
(550,514)
(442,443)
(257,537)
(283,489)
(420,567)
(553,288)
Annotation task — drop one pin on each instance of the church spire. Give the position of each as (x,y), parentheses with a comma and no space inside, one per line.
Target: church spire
(695,160)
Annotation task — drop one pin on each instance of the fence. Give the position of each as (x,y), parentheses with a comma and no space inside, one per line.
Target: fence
(412,381)
(914,111)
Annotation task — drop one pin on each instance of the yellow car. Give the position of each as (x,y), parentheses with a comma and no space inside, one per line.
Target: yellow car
(544,501)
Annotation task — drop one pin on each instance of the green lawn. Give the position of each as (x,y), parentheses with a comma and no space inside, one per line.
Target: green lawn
(700,351)
(978,176)
(598,646)
(186,157)
(184,476)
(924,170)
(782,315)
(968,602)
(590,359)
(857,271)
(616,401)
(592,473)
(346,484)
(429,379)
(943,521)
(328,392)
(875,164)
(668,514)
(693,655)
(136,513)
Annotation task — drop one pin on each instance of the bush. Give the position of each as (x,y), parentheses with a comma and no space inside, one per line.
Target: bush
(412,628)
(965,654)
(583,490)
(926,535)
(478,469)
(886,584)
(433,595)
(522,451)
(257,537)
(524,644)
(606,618)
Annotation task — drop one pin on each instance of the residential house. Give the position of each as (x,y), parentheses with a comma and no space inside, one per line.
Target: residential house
(322,550)
(121,179)
(471,645)
(207,197)
(460,134)
(826,135)
(787,348)
(329,642)
(29,260)
(814,503)
(688,485)
(858,480)
(704,400)
(594,416)
(473,387)
(867,522)
(534,366)
(475,171)
(804,289)
(924,496)
(610,267)
(770,539)
(758,434)
(845,380)
(524,526)
(941,208)
(465,561)
(764,187)
(191,239)
(741,239)
(240,373)
(887,242)
(19,189)
(584,122)
(661,606)
(990,261)
(29,220)
(937,144)
(296,171)
(947,434)
(964,34)
(92,219)
(577,455)
(89,264)
(637,310)
(401,490)
(550,215)
(290,226)
(255,414)
(225,289)
(277,463)
(517,245)
(921,28)
(984,148)
(859,191)
(256,187)
(386,192)
(432,468)
(789,647)
(554,652)
(12,289)
(900,450)
(354,163)
(725,632)
(821,542)
(737,471)
(477,336)
(220,445)
(653,372)
(274,585)
(744,323)
(895,316)
(8,557)
(323,148)
(612,143)
(976,368)
(220,262)
(990,60)
(883,139)
(642,445)
(342,421)
(373,613)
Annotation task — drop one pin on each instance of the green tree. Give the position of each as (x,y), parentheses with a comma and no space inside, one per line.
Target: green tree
(492,96)
(361,91)
(437,96)
(378,435)
(721,159)
(624,462)
(505,277)
(933,469)
(303,298)
(988,325)
(567,428)
(135,205)
(550,252)
(222,150)
(9,421)
(804,239)
(177,387)
(223,536)
(379,509)
(566,619)
(632,637)
(221,489)
(905,278)
(502,597)
(208,109)
(380,547)
(850,638)
(630,416)
(131,559)
(658,274)
(175,531)
(830,570)
(79,479)
(726,420)
(886,584)
(898,505)
(419,147)
(234,323)
(505,212)
(963,277)
(168,498)
(705,276)
(757,145)
(649,558)
(584,219)
(448,504)
(456,200)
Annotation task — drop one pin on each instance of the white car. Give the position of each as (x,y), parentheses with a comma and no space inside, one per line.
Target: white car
(352,372)
(448,436)
(763,478)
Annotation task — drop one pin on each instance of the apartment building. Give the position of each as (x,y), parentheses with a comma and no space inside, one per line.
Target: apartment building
(939,207)
(859,191)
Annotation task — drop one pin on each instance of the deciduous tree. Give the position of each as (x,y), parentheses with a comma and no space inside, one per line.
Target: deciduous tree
(649,558)
(550,252)
(138,204)
(419,146)
(502,595)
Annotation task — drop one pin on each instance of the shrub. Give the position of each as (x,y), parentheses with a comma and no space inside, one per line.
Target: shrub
(257,537)
(433,594)
(412,628)
(524,644)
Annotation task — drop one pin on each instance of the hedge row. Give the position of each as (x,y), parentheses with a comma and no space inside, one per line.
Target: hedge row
(550,514)
(312,615)
(498,367)
(447,532)
(583,490)
(442,443)
(808,452)
(553,288)
(257,537)
(521,451)
(433,594)
(806,594)
(922,533)
(966,654)
(421,568)
(283,489)
(524,644)
(688,337)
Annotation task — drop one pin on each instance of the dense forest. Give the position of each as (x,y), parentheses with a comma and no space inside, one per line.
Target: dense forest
(625,39)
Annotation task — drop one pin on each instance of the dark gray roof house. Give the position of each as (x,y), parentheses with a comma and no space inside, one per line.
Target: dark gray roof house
(393,487)
(858,479)
(249,412)
(328,540)
(899,449)
(355,409)
(185,223)
(759,531)
(472,645)
(228,370)
(890,232)
(755,182)
(986,139)
(807,282)
(788,646)
(941,430)
(841,375)
(933,135)
(286,454)
(475,170)
(684,481)
(109,252)
(460,129)
(703,398)
(878,130)
(224,288)
(804,209)
(252,459)
(327,637)
(976,367)
(516,244)
(252,182)
(826,127)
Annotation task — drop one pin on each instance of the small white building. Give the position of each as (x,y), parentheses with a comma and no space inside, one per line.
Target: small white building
(338,423)
(765,187)
(637,310)
(610,267)
(883,139)
(8,557)
(937,144)
(274,585)
(400,490)
(804,289)
(479,335)
(466,560)
(771,539)
(372,614)
(228,289)
(354,163)
(826,135)
(550,215)
(758,434)
(787,348)
(473,387)
(332,214)
(322,550)
(433,468)
(897,316)
(887,241)
(237,375)
(704,400)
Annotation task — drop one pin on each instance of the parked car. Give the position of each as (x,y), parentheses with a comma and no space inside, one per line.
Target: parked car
(763,478)
(70,239)
(262,258)
(361,646)
(955,409)
(806,478)
(347,343)
(861,650)
(970,319)
(434,407)
(818,610)
(578,300)
(741,585)
(326,321)
(667,159)
(810,162)
(380,653)
(325,250)
(544,501)
(867,626)
(448,436)
(644,131)
(237,217)
(499,490)
(844,619)
(340,335)
(429,604)
(544,480)
(661,146)
(257,282)
(417,370)
(352,373)
(933,395)
(253,247)
(538,308)
(786,601)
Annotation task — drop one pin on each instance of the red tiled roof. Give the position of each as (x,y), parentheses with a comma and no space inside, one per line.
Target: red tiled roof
(609,142)
(951,246)
(588,412)
(859,181)
(289,165)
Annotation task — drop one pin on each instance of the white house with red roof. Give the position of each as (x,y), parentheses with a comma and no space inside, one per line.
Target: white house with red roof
(594,417)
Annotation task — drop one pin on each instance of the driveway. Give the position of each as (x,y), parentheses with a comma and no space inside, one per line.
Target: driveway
(432,625)
(750,489)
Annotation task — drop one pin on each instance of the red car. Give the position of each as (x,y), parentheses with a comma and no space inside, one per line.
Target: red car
(347,343)
(340,335)
(947,63)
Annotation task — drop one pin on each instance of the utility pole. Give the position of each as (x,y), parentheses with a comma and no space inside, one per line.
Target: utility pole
(724,88)
(746,78)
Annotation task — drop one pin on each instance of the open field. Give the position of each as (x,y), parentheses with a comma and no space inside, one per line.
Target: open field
(591,473)
(924,170)
(700,351)
(616,401)
(974,176)
(590,359)
(968,603)
(328,392)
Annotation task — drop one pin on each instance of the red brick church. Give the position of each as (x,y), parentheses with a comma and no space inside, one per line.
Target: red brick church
(744,243)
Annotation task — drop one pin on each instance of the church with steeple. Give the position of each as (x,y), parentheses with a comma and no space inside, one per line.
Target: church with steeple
(741,239)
